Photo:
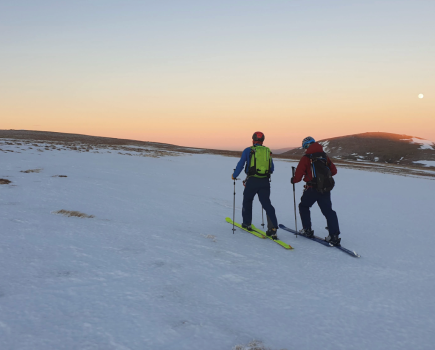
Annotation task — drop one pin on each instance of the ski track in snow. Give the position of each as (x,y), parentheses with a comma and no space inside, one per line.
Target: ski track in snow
(144,274)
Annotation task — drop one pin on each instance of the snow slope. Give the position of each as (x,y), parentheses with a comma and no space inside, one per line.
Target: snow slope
(425,144)
(428,163)
(159,268)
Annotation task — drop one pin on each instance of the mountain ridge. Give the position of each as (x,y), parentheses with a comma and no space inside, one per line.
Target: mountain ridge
(377,147)
(371,149)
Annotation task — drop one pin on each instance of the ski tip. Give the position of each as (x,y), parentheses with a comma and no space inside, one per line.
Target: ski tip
(228,220)
(283,244)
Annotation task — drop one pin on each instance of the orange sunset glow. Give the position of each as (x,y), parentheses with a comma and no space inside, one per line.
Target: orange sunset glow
(208,75)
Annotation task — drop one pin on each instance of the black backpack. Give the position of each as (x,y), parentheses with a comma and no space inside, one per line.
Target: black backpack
(322,176)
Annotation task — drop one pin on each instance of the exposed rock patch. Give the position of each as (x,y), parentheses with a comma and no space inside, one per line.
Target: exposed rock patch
(31,171)
(70,213)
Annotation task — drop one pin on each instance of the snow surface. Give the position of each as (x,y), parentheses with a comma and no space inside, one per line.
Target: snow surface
(425,144)
(426,162)
(325,145)
(159,268)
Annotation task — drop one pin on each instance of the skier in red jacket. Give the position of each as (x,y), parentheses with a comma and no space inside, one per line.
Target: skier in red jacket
(311,194)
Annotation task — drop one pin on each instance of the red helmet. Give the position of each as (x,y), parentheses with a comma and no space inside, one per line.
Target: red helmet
(258,136)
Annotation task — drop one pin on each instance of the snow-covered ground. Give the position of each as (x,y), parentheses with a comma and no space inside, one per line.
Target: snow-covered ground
(425,144)
(159,268)
(428,163)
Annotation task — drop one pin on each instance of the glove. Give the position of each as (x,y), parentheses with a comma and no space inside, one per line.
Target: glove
(232,177)
(292,180)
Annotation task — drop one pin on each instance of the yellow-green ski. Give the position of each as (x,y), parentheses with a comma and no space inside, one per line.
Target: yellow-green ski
(281,243)
(255,233)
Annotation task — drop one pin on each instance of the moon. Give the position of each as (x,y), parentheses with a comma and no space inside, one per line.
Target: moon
(420,95)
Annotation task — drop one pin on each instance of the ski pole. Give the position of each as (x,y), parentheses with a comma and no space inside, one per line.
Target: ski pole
(262,217)
(234,203)
(262,209)
(294,201)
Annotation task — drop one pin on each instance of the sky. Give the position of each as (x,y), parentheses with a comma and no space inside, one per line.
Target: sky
(210,74)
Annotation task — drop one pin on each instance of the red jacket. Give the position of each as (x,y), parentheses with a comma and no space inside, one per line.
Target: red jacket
(304,166)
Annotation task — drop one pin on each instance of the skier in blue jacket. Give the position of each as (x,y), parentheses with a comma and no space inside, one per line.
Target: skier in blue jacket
(257,182)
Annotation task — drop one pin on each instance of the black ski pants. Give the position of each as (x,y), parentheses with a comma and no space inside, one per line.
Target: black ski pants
(311,196)
(254,186)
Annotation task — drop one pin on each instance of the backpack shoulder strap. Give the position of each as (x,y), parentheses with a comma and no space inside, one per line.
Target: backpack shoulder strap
(252,155)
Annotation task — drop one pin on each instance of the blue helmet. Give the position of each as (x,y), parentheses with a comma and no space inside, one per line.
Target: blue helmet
(306,142)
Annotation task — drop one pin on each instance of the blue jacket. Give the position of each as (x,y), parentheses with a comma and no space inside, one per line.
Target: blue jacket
(246,159)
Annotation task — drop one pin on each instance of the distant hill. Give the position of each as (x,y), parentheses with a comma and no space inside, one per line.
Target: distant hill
(359,149)
(79,141)
(377,147)
(282,150)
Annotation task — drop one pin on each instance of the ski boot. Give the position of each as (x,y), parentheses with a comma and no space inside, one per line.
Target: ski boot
(247,227)
(309,233)
(333,240)
(272,234)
